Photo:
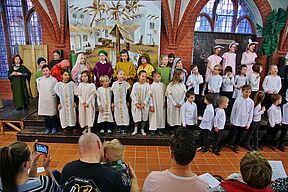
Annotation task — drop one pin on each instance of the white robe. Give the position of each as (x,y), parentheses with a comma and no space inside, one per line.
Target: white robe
(214,60)
(47,103)
(157,100)
(67,113)
(229,59)
(175,94)
(104,100)
(248,58)
(239,82)
(86,93)
(121,114)
(140,93)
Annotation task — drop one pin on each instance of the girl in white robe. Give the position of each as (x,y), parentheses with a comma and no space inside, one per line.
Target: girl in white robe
(86,92)
(175,93)
(239,81)
(140,98)
(229,58)
(157,114)
(105,118)
(249,56)
(65,90)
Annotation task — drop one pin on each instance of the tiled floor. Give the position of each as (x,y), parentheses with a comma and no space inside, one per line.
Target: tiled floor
(148,158)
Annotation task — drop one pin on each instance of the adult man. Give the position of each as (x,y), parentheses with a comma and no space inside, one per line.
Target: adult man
(179,177)
(89,173)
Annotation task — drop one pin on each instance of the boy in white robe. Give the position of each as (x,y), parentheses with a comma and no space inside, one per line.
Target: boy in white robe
(47,103)
(189,112)
(105,118)
(157,112)
(140,98)
(120,97)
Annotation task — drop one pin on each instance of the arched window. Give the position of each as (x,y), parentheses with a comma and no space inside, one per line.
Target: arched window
(3,53)
(226,16)
(35,31)
(29,4)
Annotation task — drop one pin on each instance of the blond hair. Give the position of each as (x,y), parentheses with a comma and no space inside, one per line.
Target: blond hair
(115,147)
(104,78)
(222,99)
(218,67)
(255,170)
(162,56)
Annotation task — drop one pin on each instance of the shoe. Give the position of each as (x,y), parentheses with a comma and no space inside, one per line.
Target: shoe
(123,133)
(85,131)
(75,131)
(198,148)
(261,147)
(216,152)
(143,132)
(152,133)
(235,149)
(54,130)
(205,150)
(102,131)
(282,148)
(47,131)
(135,131)
(160,133)
(64,131)
(248,147)
(109,131)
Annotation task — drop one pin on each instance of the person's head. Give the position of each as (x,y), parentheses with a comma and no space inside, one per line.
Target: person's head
(81,59)
(14,160)
(217,69)
(91,146)
(86,77)
(142,76)
(273,70)
(120,75)
(164,60)
(217,49)
(246,91)
(228,70)
(276,99)
(242,70)
(255,170)
(257,68)
(259,98)
(171,57)
(143,59)
(113,150)
(233,46)
(56,55)
(177,63)
(251,47)
(124,55)
(223,102)
(17,60)
(41,61)
(64,64)
(102,55)
(178,76)
(182,146)
(190,96)
(209,98)
(156,76)
(65,76)
(104,80)
(194,69)
(46,71)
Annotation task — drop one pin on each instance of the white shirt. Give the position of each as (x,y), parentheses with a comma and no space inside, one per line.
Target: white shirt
(189,113)
(194,81)
(274,115)
(257,113)
(228,83)
(214,83)
(242,112)
(220,118)
(285,114)
(207,119)
(254,81)
(272,84)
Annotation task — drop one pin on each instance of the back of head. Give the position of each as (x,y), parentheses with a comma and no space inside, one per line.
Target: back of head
(88,142)
(255,170)
(182,146)
(12,158)
(114,147)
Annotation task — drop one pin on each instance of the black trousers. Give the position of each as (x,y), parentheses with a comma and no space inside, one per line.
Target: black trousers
(284,128)
(270,135)
(50,121)
(217,138)
(252,134)
(204,138)
(235,135)
(191,127)
(106,125)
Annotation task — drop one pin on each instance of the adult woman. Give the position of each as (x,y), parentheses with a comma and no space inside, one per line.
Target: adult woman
(19,77)
(15,161)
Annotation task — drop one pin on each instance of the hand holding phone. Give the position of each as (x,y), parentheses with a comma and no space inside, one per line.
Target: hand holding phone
(41,148)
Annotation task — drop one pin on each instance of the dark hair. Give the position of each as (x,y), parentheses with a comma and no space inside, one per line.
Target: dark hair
(193,66)
(89,76)
(246,87)
(240,68)
(259,98)
(124,51)
(170,55)
(146,56)
(58,52)
(62,71)
(140,72)
(154,73)
(256,67)
(275,97)
(182,146)
(12,158)
(189,93)
(228,69)
(21,60)
(45,66)
(209,98)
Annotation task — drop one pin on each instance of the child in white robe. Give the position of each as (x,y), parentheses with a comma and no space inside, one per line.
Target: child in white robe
(214,83)
(86,92)
(228,87)
(249,56)
(140,98)
(120,97)
(105,118)
(175,93)
(47,103)
(229,58)
(65,90)
(254,79)
(189,112)
(157,114)
(240,80)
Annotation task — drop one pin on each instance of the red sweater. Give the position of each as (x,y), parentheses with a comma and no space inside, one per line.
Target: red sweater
(236,186)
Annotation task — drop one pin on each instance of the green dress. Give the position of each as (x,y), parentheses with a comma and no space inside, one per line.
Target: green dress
(20,86)
(165,74)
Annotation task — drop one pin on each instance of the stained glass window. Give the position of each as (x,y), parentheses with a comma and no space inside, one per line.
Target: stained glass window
(29,4)
(3,53)
(35,30)
(224,16)
(244,27)
(202,24)
(208,8)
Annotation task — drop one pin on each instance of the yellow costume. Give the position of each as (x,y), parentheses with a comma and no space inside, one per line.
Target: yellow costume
(129,70)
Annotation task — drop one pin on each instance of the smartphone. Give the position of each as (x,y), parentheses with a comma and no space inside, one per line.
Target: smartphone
(41,148)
